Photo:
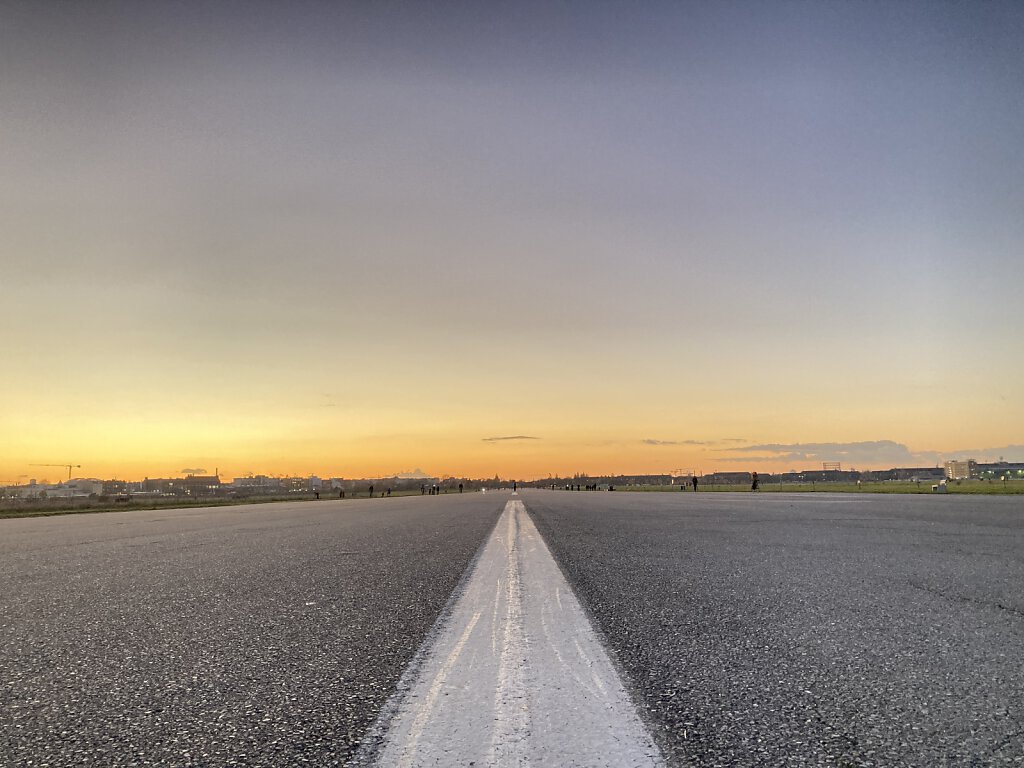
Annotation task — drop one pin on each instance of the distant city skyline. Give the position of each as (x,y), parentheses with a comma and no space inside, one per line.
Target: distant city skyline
(874,456)
(521,239)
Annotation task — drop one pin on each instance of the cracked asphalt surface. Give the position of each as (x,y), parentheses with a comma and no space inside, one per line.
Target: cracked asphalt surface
(807,630)
(255,635)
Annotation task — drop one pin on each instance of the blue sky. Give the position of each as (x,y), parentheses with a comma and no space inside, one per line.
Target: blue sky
(799,222)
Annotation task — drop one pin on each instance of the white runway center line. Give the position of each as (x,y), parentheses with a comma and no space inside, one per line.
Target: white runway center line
(517,677)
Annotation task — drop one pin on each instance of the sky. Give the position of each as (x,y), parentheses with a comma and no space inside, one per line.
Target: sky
(354,239)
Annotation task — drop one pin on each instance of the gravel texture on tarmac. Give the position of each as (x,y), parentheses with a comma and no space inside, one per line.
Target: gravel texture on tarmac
(807,630)
(260,635)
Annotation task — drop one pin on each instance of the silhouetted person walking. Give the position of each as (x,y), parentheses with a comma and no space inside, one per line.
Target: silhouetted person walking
(753,481)
(694,483)
(371,491)
(460,487)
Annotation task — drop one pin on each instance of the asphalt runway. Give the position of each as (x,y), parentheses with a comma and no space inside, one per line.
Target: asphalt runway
(749,629)
(817,630)
(262,635)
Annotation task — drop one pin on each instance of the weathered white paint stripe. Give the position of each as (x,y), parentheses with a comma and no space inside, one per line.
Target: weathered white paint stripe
(427,707)
(511,713)
(517,676)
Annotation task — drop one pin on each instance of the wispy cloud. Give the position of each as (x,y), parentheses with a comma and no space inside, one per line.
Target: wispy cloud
(865,453)
(862,452)
(650,441)
(508,437)
(412,474)
(1004,452)
(816,448)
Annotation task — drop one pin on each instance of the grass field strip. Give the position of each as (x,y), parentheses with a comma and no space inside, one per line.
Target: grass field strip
(516,676)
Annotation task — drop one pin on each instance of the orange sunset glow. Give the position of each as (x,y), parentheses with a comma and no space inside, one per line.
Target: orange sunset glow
(339,248)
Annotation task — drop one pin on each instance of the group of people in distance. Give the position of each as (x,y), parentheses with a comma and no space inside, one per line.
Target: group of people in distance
(434,490)
(754,482)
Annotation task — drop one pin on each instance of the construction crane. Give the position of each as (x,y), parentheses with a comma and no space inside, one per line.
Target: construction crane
(68,467)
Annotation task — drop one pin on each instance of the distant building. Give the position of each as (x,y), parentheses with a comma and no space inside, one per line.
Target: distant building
(816,476)
(919,474)
(114,487)
(630,479)
(961,470)
(192,485)
(295,484)
(71,489)
(1001,469)
(726,478)
(260,483)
